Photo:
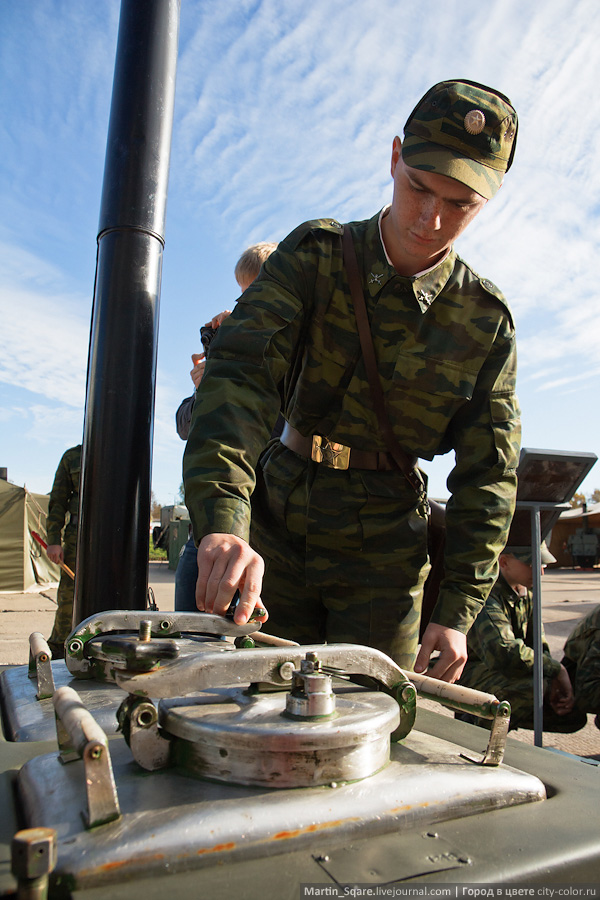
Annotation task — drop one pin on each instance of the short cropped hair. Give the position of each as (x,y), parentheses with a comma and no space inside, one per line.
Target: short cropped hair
(249,263)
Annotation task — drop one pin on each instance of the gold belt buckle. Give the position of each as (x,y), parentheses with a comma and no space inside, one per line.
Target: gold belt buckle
(330,453)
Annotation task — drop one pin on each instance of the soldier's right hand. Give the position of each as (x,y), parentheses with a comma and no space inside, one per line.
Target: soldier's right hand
(227,563)
(55,553)
(452,645)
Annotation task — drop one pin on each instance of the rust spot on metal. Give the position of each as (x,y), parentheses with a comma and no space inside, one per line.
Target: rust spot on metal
(285,835)
(155,857)
(118,864)
(218,848)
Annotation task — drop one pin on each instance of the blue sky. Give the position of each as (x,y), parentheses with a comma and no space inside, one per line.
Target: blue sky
(286,111)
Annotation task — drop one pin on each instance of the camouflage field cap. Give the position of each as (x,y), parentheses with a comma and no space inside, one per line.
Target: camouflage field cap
(464,130)
(524,554)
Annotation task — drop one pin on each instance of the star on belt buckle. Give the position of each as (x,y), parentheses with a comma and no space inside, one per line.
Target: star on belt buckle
(330,453)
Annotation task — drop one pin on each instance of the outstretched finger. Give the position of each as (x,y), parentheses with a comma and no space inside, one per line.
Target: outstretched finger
(250,586)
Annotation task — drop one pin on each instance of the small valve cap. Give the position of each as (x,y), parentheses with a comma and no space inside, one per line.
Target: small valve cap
(33,852)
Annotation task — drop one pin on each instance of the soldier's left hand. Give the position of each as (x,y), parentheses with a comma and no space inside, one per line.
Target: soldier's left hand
(562,698)
(452,645)
(199,360)
(55,553)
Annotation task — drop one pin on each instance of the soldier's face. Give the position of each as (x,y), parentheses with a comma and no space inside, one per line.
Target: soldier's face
(428,213)
(517,572)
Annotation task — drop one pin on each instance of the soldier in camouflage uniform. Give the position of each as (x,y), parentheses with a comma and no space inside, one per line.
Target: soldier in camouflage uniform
(344,550)
(63,508)
(500,645)
(582,662)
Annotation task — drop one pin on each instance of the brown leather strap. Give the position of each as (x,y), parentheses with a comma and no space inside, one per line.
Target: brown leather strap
(374,460)
(404,462)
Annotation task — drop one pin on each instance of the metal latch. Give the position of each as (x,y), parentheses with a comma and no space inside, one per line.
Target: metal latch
(80,737)
(40,657)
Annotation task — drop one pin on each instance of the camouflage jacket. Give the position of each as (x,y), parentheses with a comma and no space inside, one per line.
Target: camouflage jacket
(445,346)
(64,496)
(183,417)
(583,649)
(501,638)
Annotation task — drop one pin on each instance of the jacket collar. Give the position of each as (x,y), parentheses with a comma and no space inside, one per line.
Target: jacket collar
(378,270)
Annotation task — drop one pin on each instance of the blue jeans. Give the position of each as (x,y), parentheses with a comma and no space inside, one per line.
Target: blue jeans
(186,576)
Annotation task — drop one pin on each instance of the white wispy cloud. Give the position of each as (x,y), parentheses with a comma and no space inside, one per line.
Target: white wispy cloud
(337,109)
(45,332)
(294,109)
(287,111)
(53,423)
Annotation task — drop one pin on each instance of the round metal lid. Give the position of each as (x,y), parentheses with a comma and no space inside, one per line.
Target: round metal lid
(230,735)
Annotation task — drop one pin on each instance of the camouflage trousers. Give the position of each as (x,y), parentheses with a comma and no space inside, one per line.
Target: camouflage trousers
(585,677)
(63,620)
(345,554)
(519,693)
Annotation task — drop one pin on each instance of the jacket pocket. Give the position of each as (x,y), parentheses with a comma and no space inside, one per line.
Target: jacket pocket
(425,395)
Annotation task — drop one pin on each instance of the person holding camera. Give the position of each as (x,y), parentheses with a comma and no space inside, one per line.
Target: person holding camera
(246,270)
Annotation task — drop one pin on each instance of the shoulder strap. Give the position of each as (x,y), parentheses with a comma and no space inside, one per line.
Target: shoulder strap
(400,456)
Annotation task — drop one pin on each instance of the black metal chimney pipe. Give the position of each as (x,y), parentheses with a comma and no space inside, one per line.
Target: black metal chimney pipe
(114,510)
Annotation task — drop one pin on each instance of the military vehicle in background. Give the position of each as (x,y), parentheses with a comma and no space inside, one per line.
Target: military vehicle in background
(583,547)
(172,533)
(182,755)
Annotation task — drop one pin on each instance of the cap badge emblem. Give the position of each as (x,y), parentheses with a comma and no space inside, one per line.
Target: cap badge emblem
(474,121)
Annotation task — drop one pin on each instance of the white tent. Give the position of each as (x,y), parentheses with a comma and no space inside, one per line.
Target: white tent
(23,563)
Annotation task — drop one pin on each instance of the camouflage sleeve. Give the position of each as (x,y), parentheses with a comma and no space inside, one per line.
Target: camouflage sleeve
(583,649)
(485,434)
(494,642)
(60,496)
(183,417)
(238,399)
(587,681)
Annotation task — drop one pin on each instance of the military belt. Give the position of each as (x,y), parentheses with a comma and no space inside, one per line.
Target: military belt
(333,454)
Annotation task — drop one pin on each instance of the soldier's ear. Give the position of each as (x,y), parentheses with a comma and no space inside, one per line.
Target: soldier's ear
(396,153)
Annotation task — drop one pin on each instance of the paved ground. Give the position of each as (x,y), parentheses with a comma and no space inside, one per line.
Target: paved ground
(567,595)
(20,614)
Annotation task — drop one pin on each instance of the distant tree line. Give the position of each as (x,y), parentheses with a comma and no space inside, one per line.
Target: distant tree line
(155,508)
(580,499)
